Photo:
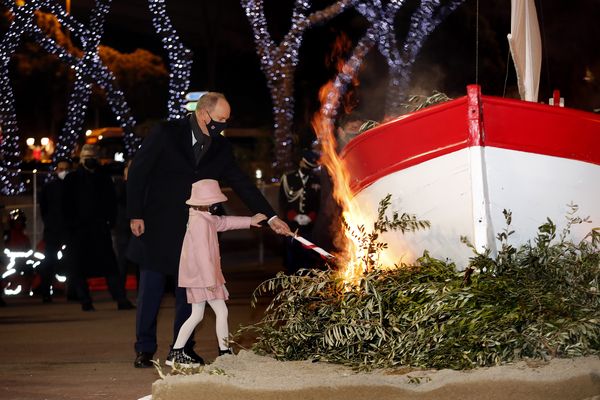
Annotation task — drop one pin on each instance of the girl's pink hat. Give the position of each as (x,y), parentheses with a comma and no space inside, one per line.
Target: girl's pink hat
(206,192)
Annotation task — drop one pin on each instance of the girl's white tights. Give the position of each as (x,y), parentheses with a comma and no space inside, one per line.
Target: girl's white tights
(222,326)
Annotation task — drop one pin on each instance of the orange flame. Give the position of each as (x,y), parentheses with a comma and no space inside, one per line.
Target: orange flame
(350,260)
(342,47)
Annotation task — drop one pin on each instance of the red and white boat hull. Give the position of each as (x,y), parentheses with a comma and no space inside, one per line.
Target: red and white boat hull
(450,165)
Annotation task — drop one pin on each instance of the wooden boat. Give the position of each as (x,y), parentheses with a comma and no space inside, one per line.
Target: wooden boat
(461,163)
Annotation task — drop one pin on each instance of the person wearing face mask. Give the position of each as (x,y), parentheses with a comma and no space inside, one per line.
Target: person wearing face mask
(51,200)
(171,158)
(90,208)
(299,200)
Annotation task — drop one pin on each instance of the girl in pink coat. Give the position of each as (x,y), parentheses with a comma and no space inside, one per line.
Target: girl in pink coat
(200,266)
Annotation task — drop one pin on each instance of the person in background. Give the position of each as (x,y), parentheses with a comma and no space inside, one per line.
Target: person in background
(173,156)
(122,232)
(90,208)
(16,240)
(15,237)
(348,128)
(51,208)
(299,201)
(200,267)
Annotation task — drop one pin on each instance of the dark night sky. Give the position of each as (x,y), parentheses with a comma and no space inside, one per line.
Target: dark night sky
(219,35)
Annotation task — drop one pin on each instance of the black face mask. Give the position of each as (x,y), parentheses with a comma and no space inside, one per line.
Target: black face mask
(215,128)
(91,163)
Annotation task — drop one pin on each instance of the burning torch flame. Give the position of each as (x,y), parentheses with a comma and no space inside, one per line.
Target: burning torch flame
(350,261)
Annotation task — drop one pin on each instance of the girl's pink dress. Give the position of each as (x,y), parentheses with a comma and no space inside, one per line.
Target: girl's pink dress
(200,262)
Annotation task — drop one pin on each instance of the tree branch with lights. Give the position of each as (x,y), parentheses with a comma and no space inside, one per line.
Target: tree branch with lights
(89,70)
(9,138)
(278,62)
(423,22)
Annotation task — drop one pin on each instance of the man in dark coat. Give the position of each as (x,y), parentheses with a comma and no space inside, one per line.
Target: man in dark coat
(172,157)
(55,230)
(90,209)
(122,231)
(299,199)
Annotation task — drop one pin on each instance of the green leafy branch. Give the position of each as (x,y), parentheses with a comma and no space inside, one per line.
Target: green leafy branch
(370,243)
(538,300)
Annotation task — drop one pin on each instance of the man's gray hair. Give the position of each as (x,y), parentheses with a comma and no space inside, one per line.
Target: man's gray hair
(209,101)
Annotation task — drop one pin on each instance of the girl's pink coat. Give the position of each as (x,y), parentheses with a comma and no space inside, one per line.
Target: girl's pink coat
(200,261)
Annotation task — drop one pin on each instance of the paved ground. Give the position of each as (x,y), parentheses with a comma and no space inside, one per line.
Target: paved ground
(56,351)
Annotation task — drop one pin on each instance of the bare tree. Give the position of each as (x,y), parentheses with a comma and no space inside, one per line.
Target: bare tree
(278,62)
(428,15)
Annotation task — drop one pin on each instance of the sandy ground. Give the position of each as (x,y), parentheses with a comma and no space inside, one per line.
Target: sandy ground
(57,352)
(249,376)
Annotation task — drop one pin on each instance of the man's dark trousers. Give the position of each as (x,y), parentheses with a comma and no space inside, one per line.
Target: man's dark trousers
(150,293)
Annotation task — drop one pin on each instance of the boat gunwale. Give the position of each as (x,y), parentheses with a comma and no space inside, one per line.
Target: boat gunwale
(360,181)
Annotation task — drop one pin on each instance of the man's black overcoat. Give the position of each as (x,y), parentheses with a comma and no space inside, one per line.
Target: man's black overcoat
(160,181)
(90,208)
(51,207)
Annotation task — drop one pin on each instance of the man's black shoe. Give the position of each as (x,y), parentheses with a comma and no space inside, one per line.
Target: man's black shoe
(46,299)
(143,360)
(197,359)
(125,305)
(87,307)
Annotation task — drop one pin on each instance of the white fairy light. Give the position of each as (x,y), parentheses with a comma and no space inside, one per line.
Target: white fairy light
(9,145)
(88,70)
(278,62)
(180,58)
(381,33)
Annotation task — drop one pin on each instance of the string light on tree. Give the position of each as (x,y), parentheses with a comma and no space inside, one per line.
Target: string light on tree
(88,70)
(80,96)
(428,15)
(423,22)
(278,62)
(9,134)
(180,58)
(105,80)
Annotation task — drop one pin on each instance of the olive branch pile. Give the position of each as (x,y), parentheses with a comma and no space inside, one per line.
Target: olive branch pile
(540,300)
(418,102)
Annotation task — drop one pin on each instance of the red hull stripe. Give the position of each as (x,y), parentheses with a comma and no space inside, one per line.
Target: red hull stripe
(435,131)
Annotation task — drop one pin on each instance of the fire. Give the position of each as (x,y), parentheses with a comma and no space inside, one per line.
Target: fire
(342,47)
(351,259)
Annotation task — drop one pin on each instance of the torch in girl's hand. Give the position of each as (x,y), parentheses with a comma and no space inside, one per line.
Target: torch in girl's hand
(312,246)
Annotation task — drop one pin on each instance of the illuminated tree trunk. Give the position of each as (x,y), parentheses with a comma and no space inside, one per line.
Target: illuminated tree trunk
(428,15)
(423,22)
(180,58)
(278,62)
(9,133)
